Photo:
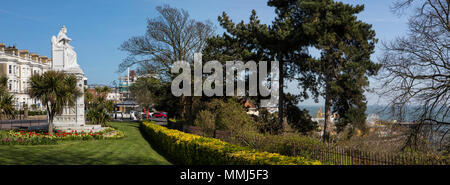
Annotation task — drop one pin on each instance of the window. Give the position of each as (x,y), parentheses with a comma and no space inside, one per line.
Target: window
(10,69)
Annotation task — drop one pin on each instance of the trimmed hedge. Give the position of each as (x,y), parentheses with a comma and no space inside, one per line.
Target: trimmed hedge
(192,149)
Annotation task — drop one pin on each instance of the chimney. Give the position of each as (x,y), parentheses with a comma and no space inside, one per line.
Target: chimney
(23,53)
(11,50)
(43,59)
(35,57)
(2,47)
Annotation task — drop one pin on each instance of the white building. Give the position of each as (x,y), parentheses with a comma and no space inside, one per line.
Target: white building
(114,96)
(19,66)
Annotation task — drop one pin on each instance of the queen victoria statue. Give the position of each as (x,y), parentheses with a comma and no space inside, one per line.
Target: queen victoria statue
(69,56)
(65,59)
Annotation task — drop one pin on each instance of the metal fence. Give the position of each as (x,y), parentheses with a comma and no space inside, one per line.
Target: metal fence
(18,124)
(343,156)
(328,154)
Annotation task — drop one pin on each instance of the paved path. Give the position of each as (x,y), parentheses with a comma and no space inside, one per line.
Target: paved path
(14,124)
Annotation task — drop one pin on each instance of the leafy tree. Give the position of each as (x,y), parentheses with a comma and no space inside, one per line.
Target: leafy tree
(57,90)
(147,91)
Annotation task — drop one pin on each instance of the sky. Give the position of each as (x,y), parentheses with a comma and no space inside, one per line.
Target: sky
(99,27)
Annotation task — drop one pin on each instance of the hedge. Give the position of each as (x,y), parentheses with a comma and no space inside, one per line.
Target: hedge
(190,149)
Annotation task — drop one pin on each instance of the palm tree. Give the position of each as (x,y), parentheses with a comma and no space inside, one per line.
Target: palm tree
(6,100)
(6,105)
(98,113)
(56,90)
(3,82)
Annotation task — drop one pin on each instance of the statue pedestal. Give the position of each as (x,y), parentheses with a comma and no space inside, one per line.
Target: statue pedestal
(65,59)
(73,116)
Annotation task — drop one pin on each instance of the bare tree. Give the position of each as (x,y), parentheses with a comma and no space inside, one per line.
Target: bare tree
(416,67)
(170,37)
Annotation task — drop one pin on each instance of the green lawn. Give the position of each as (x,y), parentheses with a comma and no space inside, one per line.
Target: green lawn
(133,149)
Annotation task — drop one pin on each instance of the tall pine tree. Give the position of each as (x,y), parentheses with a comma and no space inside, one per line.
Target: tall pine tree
(345,44)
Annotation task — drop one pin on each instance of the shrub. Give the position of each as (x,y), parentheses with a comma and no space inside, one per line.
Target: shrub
(298,119)
(288,144)
(192,149)
(206,121)
(37,137)
(231,116)
(268,122)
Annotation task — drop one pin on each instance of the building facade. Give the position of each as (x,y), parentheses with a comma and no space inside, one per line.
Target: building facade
(18,66)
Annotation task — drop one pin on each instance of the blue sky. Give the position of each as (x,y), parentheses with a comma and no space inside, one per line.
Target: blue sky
(98,27)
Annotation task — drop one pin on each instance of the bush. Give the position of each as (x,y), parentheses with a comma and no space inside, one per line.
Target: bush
(298,119)
(31,113)
(230,116)
(206,121)
(268,122)
(37,113)
(190,149)
(39,137)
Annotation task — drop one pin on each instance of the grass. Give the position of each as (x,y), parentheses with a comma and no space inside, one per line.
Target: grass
(131,150)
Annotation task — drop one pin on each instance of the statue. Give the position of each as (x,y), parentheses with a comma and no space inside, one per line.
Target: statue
(64,58)
(61,42)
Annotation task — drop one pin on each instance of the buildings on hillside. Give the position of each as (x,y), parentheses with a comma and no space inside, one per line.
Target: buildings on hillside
(18,66)
(320,117)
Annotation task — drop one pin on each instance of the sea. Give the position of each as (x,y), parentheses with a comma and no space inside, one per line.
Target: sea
(381,111)
(385,113)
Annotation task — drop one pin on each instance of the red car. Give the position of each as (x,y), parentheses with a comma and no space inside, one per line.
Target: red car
(159,115)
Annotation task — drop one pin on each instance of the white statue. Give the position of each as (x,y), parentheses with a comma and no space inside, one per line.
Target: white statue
(62,42)
(64,58)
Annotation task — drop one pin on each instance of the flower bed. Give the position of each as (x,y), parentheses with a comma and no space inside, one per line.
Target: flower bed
(43,137)
(192,149)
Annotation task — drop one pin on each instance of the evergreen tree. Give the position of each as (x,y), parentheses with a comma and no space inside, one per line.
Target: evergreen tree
(345,44)
(259,42)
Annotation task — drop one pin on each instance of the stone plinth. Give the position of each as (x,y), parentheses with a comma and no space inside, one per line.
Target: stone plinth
(65,59)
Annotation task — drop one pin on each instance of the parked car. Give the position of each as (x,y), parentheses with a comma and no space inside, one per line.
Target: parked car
(117,113)
(159,115)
